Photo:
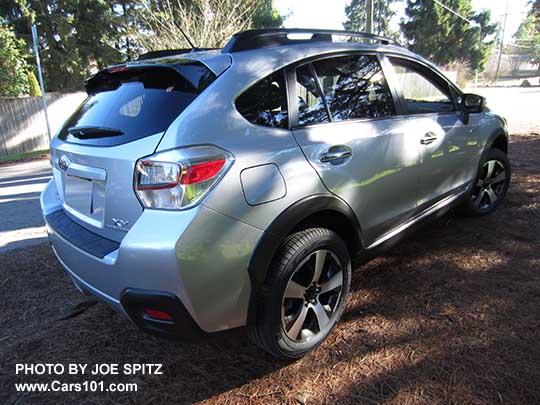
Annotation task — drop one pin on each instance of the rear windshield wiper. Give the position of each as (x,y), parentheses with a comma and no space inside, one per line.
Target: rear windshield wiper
(94,132)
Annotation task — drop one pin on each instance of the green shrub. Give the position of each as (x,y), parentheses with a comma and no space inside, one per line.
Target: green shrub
(13,67)
(34,89)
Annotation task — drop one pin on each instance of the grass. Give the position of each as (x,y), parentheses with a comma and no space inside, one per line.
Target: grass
(23,157)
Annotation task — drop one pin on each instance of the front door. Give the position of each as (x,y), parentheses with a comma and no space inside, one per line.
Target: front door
(347,127)
(448,147)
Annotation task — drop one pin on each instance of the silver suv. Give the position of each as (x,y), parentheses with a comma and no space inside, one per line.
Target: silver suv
(204,191)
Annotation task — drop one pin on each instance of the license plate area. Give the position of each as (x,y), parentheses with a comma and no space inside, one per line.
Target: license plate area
(83,198)
(79,194)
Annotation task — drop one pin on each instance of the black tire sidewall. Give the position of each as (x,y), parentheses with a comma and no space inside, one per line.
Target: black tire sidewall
(273,327)
(469,207)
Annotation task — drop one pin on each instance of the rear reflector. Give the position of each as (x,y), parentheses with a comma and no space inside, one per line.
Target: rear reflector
(154,313)
(202,171)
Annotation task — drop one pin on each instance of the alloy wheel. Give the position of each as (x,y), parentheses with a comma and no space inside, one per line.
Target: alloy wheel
(490,184)
(312,296)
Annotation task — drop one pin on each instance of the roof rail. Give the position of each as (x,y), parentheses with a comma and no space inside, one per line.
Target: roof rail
(271,37)
(170,52)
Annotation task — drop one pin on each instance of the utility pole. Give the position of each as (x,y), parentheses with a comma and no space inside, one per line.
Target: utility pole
(502,42)
(369,16)
(40,76)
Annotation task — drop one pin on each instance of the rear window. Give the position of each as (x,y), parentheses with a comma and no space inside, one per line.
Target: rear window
(124,105)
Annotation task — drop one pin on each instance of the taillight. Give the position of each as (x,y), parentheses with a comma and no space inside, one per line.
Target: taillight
(179,178)
(202,171)
(158,175)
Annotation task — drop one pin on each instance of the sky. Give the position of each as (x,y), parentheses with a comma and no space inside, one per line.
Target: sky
(331,13)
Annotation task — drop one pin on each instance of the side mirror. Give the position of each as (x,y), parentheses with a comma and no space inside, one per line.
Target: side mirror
(471,104)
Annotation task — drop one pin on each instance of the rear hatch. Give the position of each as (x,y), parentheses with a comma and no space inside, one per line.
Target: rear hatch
(123,119)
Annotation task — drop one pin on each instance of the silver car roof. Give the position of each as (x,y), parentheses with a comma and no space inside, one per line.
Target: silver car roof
(263,61)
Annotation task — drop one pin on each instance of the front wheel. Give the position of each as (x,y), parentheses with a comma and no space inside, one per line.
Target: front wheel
(491,185)
(304,294)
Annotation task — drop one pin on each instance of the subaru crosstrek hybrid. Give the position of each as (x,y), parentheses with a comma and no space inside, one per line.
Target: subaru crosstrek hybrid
(200,191)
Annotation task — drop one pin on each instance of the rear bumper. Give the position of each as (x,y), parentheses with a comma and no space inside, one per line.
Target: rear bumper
(198,258)
(133,302)
(181,325)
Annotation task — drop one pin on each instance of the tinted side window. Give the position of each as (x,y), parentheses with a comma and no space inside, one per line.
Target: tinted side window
(421,91)
(311,108)
(354,87)
(265,103)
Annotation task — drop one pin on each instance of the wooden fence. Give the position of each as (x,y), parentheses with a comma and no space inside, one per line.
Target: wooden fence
(22,120)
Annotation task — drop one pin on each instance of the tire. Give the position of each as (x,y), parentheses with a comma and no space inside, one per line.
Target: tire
(293,272)
(490,185)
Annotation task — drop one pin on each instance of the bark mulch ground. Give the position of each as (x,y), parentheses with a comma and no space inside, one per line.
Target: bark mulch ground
(450,315)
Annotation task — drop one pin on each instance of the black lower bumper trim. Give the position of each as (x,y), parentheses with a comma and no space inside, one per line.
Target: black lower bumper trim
(80,237)
(182,326)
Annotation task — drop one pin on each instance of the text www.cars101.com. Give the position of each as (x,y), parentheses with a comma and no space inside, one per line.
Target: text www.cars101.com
(85,386)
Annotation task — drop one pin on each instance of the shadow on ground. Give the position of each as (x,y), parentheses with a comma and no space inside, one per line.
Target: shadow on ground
(450,315)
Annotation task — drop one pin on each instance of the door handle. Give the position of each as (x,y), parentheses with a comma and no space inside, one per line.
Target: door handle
(335,153)
(428,138)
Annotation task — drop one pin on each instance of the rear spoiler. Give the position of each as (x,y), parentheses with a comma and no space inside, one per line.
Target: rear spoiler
(171,52)
(109,77)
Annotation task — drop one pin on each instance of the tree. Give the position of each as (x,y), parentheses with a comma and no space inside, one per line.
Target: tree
(78,37)
(443,37)
(208,23)
(528,35)
(13,67)
(357,17)
(266,16)
(75,36)
(127,22)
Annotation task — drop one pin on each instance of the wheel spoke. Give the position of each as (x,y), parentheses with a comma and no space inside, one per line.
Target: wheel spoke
(479,198)
(491,166)
(294,290)
(335,281)
(322,316)
(500,177)
(491,195)
(320,258)
(296,327)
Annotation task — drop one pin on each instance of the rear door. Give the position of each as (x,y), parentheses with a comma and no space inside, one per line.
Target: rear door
(344,119)
(447,146)
(127,110)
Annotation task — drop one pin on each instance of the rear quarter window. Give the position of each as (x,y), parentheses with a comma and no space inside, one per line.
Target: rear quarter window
(265,103)
(137,102)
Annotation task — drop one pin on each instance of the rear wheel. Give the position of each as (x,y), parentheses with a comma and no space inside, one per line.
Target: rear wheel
(490,186)
(304,294)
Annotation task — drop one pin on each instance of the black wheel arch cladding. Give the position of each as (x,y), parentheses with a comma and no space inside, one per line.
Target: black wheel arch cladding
(283,225)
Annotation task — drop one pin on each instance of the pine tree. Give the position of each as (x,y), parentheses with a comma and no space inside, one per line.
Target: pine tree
(357,17)
(266,16)
(443,37)
(528,34)
(75,36)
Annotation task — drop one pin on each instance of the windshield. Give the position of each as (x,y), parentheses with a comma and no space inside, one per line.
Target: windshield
(135,102)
